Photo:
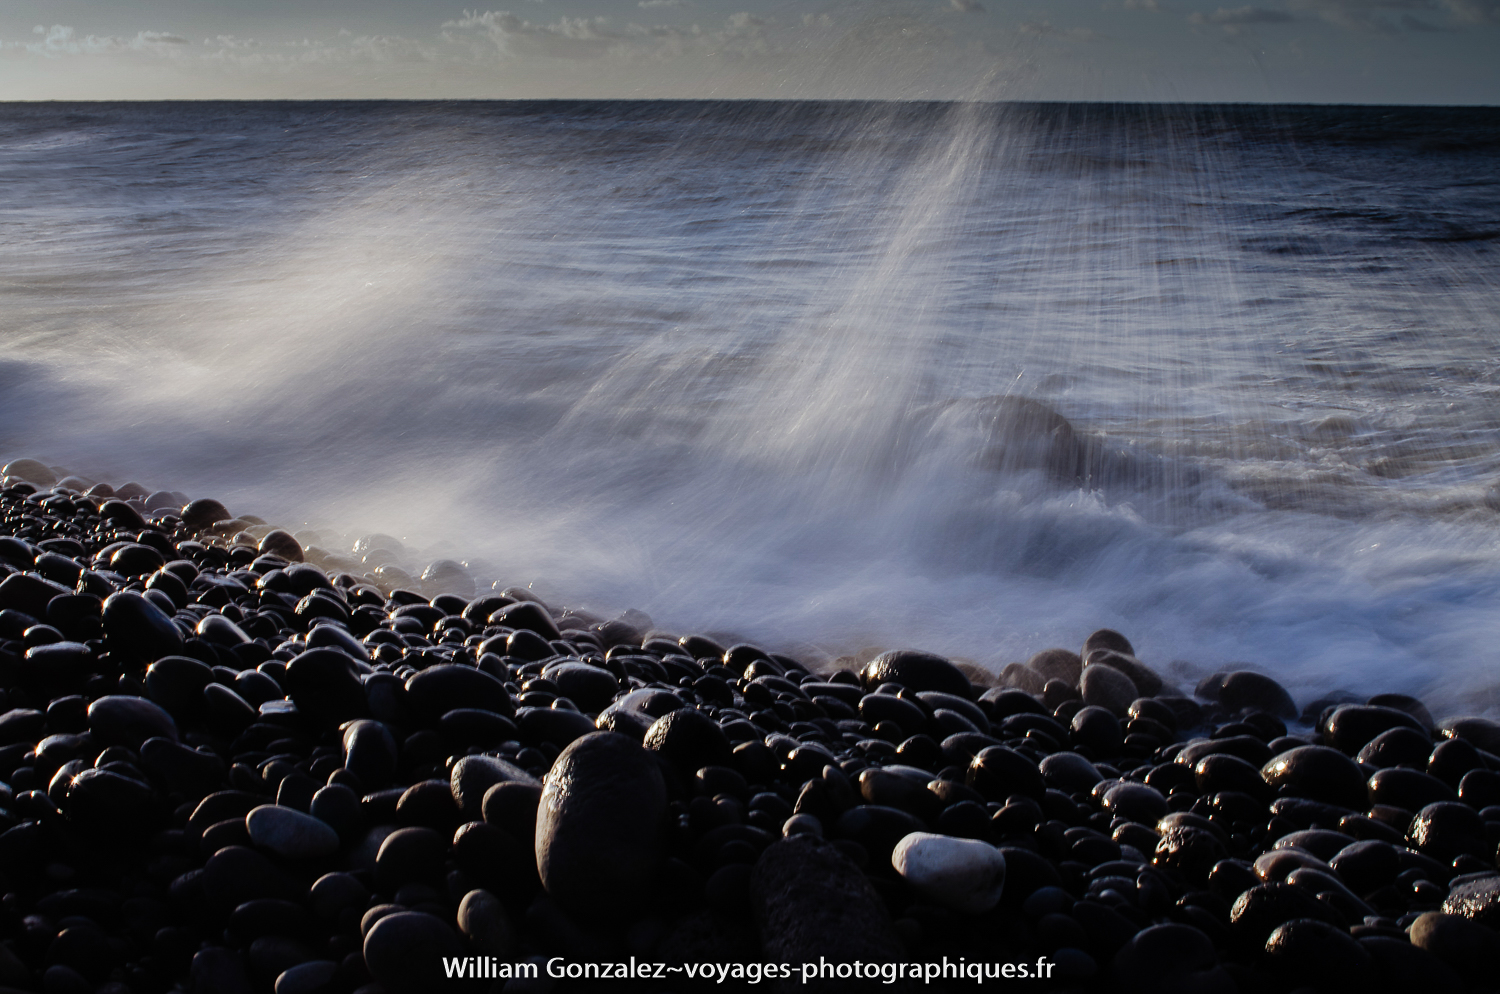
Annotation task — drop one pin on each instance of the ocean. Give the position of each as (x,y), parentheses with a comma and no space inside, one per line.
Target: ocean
(828,377)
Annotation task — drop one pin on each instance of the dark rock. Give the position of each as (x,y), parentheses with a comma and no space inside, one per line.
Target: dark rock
(1223,772)
(917,671)
(280,543)
(1170,959)
(1108,688)
(1471,949)
(135,560)
(290,833)
(473,776)
(1407,703)
(1478,899)
(689,739)
(404,951)
(1350,727)
(439,689)
(1402,788)
(129,721)
(190,772)
(810,902)
(226,712)
(998,772)
(370,752)
(1097,730)
(411,855)
(592,688)
(1399,746)
(598,824)
(1479,732)
(1189,852)
(1448,829)
(1261,910)
(1308,951)
(1317,773)
(216,970)
(877,829)
(1402,966)
(1366,865)
(136,629)
(1480,788)
(527,615)
(235,874)
(512,806)
(176,683)
(1452,759)
(29,594)
(325,686)
(1069,772)
(107,802)
(555,725)
(203,512)
(1135,802)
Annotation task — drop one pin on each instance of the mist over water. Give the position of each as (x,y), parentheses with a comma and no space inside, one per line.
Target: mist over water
(728,363)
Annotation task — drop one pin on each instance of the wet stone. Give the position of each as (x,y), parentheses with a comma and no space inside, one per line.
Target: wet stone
(1317,773)
(1478,899)
(598,823)
(1352,726)
(137,629)
(324,685)
(473,776)
(1107,688)
(1408,789)
(1449,829)
(1471,949)
(917,671)
(439,689)
(1305,951)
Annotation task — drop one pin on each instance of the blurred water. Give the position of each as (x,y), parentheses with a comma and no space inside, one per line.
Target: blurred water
(725,363)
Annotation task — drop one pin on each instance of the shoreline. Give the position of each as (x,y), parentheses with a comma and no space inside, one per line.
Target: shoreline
(306,782)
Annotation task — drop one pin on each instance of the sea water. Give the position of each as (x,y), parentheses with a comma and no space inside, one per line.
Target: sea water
(735,364)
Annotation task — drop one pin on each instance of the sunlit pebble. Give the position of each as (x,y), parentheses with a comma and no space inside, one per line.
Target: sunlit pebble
(155,731)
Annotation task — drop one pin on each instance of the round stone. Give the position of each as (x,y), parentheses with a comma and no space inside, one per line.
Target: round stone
(290,833)
(1108,688)
(404,951)
(809,901)
(1069,772)
(1246,689)
(411,855)
(325,686)
(998,772)
(439,689)
(917,671)
(483,921)
(689,740)
(473,776)
(1317,773)
(1171,957)
(1135,802)
(128,721)
(1310,952)
(203,513)
(281,543)
(136,629)
(598,824)
(964,874)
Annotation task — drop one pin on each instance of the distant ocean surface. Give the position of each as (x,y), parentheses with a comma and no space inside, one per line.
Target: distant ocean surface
(736,365)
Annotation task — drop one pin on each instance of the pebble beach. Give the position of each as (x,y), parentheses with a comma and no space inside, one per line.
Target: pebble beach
(231,765)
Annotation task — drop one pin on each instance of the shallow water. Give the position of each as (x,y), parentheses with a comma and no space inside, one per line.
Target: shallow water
(724,363)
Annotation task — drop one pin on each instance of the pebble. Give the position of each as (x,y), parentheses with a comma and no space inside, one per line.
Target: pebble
(290,833)
(964,874)
(137,629)
(404,951)
(1106,687)
(809,901)
(917,671)
(1317,773)
(473,777)
(599,823)
(129,721)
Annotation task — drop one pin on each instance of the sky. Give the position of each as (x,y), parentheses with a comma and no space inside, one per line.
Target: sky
(1315,51)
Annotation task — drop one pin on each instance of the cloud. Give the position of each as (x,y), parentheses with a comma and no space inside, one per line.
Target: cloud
(1045,29)
(62,40)
(648,4)
(1241,16)
(1155,6)
(967,6)
(568,38)
(1400,15)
